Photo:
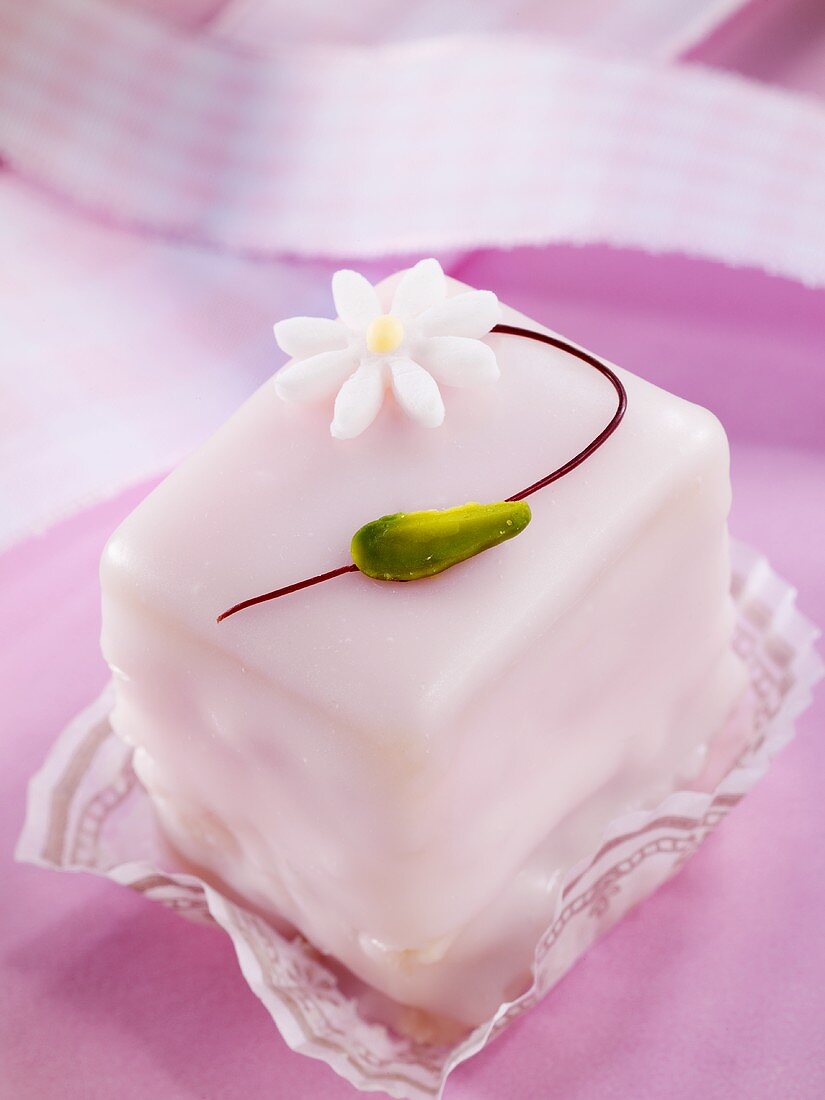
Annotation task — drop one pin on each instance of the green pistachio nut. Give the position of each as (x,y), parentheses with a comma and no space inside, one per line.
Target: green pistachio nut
(410,545)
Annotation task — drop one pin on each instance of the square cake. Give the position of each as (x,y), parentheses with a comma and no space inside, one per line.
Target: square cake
(404,771)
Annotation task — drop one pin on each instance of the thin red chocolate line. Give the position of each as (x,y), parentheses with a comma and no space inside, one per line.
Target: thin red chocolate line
(561,471)
(603,436)
(286,591)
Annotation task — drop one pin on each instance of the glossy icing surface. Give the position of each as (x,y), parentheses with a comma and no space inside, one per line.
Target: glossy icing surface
(402,770)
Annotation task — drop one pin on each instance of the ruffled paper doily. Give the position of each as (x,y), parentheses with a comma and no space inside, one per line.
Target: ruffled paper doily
(87,812)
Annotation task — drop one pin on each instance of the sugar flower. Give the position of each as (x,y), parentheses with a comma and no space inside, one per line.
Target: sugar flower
(425,339)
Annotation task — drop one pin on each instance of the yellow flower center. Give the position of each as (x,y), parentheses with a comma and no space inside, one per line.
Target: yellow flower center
(384,334)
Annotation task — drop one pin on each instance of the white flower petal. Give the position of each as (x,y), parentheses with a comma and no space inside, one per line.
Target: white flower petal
(301,337)
(310,379)
(355,299)
(459,361)
(470,314)
(417,393)
(358,402)
(420,288)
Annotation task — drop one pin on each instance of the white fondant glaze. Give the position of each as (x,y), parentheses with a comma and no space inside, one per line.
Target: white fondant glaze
(404,771)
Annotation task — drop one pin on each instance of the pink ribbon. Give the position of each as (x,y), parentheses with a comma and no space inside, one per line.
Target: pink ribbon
(449,143)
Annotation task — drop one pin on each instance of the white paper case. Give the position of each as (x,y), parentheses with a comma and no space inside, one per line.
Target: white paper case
(86,811)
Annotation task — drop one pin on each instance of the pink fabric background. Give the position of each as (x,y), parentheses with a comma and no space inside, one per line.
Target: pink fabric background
(715,987)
